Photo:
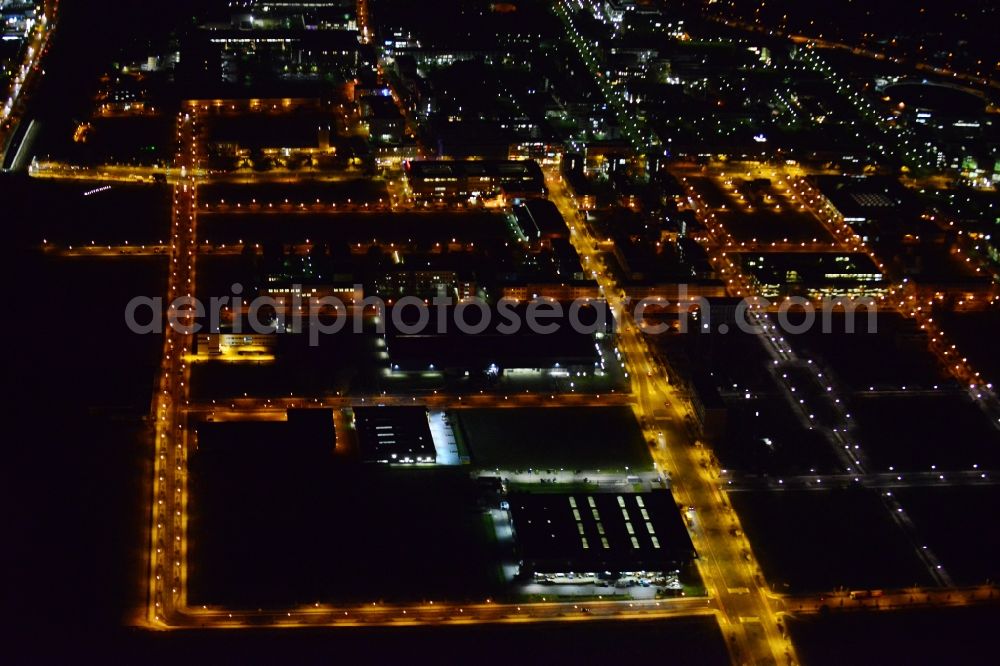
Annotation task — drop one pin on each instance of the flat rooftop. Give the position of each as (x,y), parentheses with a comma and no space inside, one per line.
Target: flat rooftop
(539,218)
(866,198)
(453,169)
(600,532)
(394,434)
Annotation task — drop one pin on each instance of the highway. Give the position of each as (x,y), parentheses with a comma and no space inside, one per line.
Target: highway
(113,173)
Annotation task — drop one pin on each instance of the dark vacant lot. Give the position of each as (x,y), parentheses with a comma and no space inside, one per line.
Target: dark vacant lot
(913,433)
(775,219)
(304,192)
(764,436)
(75,213)
(820,540)
(342,362)
(955,636)
(892,355)
(606,438)
(958,525)
(271,528)
(974,333)
(334,228)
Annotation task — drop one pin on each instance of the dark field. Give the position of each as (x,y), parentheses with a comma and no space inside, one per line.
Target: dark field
(764,436)
(773,219)
(958,525)
(85,344)
(420,228)
(820,540)
(767,226)
(736,360)
(893,355)
(304,191)
(344,362)
(123,141)
(960,636)
(75,483)
(552,438)
(63,216)
(975,333)
(917,432)
(272,530)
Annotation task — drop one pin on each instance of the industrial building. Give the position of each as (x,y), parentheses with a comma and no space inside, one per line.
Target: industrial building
(394,435)
(600,536)
(813,274)
(540,220)
(453,179)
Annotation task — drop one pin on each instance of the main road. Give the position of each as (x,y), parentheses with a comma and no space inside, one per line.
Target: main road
(168,548)
(726,563)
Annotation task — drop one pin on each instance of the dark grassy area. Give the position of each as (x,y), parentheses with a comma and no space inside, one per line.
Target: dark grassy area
(63,216)
(958,525)
(218,273)
(892,354)
(820,540)
(334,228)
(273,529)
(342,362)
(914,433)
(80,346)
(305,191)
(943,636)
(974,333)
(123,141)
(736,360)
(552,438)
(73,481)
(764,436)
(765,225)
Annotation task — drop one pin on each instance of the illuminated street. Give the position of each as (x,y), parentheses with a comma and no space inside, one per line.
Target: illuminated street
(726,563)
(548,331)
